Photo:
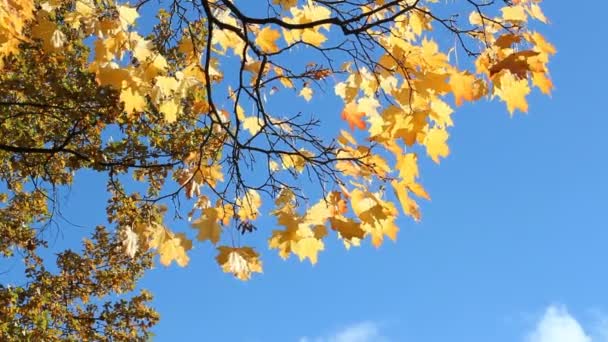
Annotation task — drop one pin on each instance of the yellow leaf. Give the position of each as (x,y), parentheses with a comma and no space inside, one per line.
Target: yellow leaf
(513,91)
(541,43)
(543,83)
(285,4)
(127,16)
(347,228)
(130,241)
(267,38)
(306,93)
(435,142)
(537,13)
(505,41)
(273,165)
(170,109)
(47,31)
(466,87)
(418,190)
(252,124)
(377,216)
(313,37)
(308,247)
(248,205)
(174,248)
(318,213)
(295,161)
(112,75)
(409,205)
(133,100)
(165,86)
(407,165)
(441,113)
(381,228)
(241,262)
(367,206)
(514,13)
(208,226)
(297,238)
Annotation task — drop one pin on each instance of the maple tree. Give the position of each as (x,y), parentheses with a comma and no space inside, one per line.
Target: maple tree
(201,112)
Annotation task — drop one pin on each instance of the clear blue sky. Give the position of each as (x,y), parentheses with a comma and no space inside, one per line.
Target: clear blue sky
(513,243)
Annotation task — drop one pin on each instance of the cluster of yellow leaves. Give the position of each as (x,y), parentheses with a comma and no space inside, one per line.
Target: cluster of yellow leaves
(307,13)
(303,234)
(212,222)
(413,73)
(170,246)
(14,15)
(420,79)
(144,83)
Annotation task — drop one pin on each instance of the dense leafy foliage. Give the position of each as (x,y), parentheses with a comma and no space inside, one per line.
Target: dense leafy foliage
(209,110)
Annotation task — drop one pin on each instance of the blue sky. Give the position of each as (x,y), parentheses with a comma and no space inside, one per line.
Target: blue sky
(512,246)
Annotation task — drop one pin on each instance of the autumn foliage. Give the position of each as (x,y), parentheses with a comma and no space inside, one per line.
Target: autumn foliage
(206,108)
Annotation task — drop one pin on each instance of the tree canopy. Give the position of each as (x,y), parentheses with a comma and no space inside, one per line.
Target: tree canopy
(198,119)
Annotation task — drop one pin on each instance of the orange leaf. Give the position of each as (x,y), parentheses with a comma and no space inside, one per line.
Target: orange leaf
(353,117)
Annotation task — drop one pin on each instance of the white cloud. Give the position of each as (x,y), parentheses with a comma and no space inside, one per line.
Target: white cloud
(557,325)
(360,332)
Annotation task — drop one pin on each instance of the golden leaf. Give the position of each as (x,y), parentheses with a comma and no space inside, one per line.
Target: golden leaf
(466,87)
(248,205)
(240,261)
(436,143)
(174,248)
(133,100)
(208,226)
(513,91)
(306,93)
(267,38)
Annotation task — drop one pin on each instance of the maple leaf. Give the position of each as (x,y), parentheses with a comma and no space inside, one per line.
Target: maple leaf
(208,226)
(267,38)
(295,161)
(313,37)
(286,4)
(48,32)
(169,109)
(252,124)
(541,43)
(130,241)
(515,13)
(543,83)
(133,100)
(127,16)
(248,205)
(466,87)
(347,228)
(309,245)
(353,117)
(513,91)
(407,165)
(240,261)
(436,143)
(174,248)
(377,216)
(537,13)
(409,205)
(517,63)
(306,93)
